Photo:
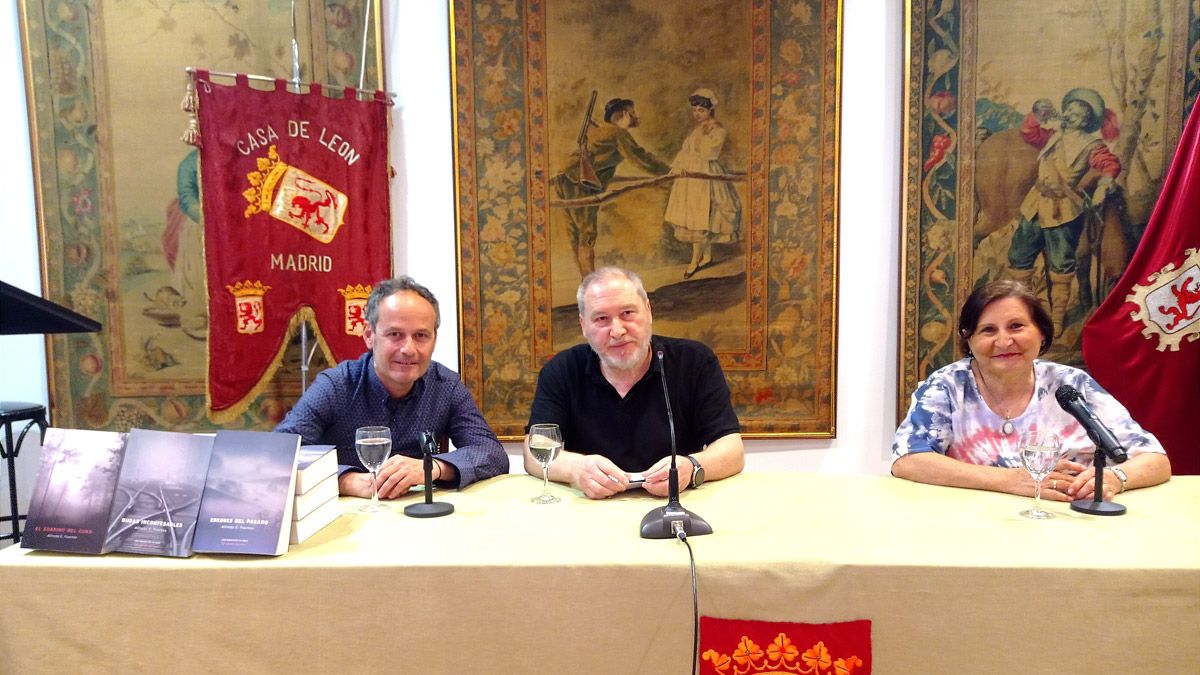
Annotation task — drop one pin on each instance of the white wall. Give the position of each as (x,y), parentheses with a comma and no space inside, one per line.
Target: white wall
(22,357)
(418,69)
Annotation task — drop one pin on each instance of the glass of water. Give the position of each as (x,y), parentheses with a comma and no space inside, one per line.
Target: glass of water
(545,442)
(373,445)
(1040,453)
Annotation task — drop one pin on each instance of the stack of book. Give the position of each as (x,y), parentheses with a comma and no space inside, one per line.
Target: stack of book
(164,493)
(316,502)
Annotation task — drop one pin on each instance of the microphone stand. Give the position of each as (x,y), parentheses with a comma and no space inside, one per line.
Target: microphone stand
(1096,505)
(428,508)
(667,522)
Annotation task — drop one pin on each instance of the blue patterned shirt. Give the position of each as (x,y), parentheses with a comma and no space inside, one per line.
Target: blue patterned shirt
(351,395)
(949,416)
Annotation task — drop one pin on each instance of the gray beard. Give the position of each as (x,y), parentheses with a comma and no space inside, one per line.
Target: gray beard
(624,364)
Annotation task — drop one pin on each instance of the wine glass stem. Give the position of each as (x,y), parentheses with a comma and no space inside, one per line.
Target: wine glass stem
(1037,497)
(545,479)
(374,489)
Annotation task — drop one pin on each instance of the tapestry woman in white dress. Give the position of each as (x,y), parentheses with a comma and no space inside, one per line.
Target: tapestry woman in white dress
(702,211)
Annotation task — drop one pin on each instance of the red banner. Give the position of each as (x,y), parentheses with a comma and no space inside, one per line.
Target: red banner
(734,646)
(1143,343)
(296,225)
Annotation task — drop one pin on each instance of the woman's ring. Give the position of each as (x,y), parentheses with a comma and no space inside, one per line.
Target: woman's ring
(1054,484)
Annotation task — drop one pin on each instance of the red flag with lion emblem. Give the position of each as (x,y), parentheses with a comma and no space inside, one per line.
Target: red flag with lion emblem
(1143,343)
(296,225)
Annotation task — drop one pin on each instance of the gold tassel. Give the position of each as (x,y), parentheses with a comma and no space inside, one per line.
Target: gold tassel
(192,135)
(190,104)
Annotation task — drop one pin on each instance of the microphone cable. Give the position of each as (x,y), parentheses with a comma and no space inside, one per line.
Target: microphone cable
(677,528)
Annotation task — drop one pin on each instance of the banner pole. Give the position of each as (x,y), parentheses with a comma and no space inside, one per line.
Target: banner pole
(264,78)
(362,59)
(295,51)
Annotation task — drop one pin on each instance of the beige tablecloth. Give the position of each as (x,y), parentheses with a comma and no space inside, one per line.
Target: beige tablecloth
(954,581)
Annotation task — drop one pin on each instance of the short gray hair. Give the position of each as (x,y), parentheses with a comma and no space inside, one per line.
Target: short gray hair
(608,273)
(389,287)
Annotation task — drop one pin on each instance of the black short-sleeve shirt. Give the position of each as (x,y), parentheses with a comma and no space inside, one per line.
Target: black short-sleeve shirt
(633,431)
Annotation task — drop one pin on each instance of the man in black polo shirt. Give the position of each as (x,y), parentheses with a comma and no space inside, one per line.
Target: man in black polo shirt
(607,398)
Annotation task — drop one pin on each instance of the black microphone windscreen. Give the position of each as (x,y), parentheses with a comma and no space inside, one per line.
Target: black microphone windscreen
(1066,394)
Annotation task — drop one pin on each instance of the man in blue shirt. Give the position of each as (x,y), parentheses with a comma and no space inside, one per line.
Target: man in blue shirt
(397,384)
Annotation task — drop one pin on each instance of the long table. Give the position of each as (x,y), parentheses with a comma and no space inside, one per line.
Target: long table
(953,581)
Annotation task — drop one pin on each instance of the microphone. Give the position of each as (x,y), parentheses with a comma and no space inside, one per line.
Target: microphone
(1072,401)
(1107,444)
(672,520)
(428,508)
(673,474)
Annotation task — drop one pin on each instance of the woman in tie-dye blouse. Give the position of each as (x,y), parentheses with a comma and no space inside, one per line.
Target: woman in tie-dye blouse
(965,422)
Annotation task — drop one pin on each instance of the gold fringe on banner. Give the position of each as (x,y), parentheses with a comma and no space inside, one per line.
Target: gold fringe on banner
(232,413)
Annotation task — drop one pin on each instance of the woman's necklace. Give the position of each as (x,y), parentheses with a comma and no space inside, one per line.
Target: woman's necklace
(1007,428)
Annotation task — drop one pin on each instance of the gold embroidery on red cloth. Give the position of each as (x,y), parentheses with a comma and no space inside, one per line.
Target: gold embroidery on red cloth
(781,656)
(295,197)
(354,314)
(248,306)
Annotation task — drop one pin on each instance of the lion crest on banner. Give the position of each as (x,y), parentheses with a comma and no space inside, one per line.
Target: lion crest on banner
(1169,303)
(295,197)
(248,307)
(354,314)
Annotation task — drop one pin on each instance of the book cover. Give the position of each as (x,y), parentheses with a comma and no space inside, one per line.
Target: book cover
(247,502)
(312,523)
(158,493)
(315,464)
(73,494)
(309,501)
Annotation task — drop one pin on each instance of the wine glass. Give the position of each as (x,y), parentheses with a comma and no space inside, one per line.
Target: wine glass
(1040,453)
(545,442)
(373,445)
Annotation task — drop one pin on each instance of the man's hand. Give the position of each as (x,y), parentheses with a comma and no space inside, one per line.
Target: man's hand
(598,478)
(403,473)
(355,484)
(658,476)
(399,474)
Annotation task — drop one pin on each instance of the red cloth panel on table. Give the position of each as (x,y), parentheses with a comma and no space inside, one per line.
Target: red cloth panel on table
(296,225)
(1143,342)
(729,646)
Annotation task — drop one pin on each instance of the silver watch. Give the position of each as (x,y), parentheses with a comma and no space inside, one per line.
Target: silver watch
(1120,473)
(697,472)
